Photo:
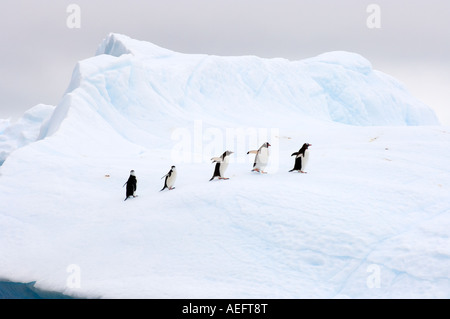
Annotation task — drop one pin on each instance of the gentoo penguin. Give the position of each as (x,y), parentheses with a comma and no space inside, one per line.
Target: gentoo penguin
(221,165)
(131,185)
(261,158)
(301,158)
(171,176)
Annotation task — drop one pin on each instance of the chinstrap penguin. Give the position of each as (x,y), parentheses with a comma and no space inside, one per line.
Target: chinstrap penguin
(261,158)
(221,165)
(131,185)
(171,176)
(301,158)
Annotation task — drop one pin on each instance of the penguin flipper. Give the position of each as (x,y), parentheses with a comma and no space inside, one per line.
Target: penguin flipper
(252,152)
(216,171)
(165,183)
(168,174)
(296,153)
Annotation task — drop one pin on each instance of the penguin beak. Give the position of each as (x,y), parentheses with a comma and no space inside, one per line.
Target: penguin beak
(268,144)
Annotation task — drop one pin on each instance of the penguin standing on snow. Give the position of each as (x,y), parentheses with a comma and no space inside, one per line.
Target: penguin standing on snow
(171,176)
(261,158)
(301,158)
(221,165)
(131,185)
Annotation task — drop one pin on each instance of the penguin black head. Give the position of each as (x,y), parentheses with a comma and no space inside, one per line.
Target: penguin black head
(173,167)
(227,153)
(132,173)
(305,146)
(302,150)
(267,144)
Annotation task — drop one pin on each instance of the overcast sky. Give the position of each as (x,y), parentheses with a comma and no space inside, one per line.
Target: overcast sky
(39,51)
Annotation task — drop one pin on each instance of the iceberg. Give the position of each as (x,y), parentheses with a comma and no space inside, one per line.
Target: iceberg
(135,84)
(369,220)
(23,132)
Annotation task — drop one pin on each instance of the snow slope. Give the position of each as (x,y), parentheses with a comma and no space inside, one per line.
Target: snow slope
(370,219)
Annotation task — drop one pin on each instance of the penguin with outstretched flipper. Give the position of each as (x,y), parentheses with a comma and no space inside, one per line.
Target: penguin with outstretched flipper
(261,158)
(221,165)
(301,158)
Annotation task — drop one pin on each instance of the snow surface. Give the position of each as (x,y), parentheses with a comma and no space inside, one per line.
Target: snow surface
(371,218)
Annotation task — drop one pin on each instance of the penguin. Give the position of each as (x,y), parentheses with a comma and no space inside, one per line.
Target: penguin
(301,158)
(171,176)
(221,165)
(131,185)
(261,158)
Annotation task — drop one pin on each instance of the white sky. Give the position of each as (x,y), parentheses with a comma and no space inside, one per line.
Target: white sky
(38,51)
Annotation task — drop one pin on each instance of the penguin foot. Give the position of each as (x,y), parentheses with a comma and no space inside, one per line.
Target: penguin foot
(303,172)
(224,178)
(171,188)
(258,170)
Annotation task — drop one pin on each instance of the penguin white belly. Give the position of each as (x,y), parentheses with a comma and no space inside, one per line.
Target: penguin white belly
(223,167)
(305,160)
(262,158)
(171,179)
